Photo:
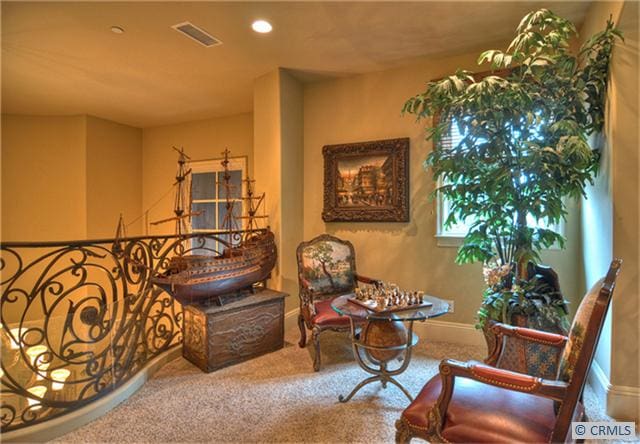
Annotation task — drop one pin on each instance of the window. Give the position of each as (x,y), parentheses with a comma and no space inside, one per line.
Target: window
(208,194)
(460,229)
(452,235)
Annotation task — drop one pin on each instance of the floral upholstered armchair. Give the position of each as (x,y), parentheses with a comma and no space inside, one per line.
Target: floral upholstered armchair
(326,269)
(481,402)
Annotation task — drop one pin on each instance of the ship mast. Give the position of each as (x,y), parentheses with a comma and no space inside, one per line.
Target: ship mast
(253,204)
(229,223)
(121,233)
(182,197)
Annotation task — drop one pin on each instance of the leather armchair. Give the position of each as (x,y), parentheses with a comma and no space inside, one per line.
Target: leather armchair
(326,269)
(479,402)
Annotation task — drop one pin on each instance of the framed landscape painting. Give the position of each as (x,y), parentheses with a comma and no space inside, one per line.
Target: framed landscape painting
(367,181)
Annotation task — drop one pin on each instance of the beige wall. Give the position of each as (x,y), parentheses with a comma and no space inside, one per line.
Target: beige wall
(70,177)
(623,134)
(203,139)
(611,220)
(66,178)
(278,154)
(292,188)
(597,209)
(43,178)
(367,107)
(114,183)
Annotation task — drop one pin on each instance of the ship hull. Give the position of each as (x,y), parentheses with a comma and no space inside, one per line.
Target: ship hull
(198,279)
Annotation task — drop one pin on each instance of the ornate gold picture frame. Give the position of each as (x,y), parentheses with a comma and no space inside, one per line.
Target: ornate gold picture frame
(367,181)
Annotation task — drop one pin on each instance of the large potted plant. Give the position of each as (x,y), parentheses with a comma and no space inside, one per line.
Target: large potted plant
(523,150)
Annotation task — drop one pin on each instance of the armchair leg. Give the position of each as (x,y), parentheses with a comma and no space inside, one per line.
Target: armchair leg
(303,331)
(403,433)
(316,344)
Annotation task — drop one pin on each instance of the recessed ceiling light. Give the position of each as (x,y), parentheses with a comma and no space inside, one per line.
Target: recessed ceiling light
(117,30)
(261,26)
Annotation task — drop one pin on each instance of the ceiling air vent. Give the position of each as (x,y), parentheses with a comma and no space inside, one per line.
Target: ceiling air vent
(198,34)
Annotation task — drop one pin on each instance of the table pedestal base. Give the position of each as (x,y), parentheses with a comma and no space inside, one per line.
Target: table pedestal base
(383,379)
(379,367)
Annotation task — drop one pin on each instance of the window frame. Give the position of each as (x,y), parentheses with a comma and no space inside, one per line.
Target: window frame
(445,238)
(214,166)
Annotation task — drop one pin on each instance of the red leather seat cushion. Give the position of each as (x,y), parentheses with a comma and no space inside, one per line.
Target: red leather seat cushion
(483,413)
(325,315)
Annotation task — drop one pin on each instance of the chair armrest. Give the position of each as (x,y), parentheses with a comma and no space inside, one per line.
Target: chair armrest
(450,369)
(497,377)
(529,334)
(306,297)
(367,280)
(526,334)
(305,283)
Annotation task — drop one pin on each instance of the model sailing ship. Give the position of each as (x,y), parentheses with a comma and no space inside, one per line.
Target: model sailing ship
(246,258)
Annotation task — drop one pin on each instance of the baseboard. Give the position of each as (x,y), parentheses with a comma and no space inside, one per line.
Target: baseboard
(432,330)
(622,402)
(291,320)
(599,382)
(53,428)
(453,332)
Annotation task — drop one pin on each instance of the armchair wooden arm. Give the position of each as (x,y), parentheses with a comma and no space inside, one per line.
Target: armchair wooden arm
(520,382)
(450,369)
(527,334)
(306,297)
(367,280)
(305,284)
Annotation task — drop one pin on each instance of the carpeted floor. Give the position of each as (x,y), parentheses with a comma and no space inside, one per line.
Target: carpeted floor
(274,398)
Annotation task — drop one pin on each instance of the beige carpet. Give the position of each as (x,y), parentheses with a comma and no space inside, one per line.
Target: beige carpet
(274,398)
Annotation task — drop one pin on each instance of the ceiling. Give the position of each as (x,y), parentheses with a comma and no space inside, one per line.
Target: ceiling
(62,58)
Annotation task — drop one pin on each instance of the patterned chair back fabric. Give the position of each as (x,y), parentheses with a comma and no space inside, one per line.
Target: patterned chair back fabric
(328,266)
(579,350)
(572,349)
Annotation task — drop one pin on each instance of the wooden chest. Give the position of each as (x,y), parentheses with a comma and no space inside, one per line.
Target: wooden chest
(215,337)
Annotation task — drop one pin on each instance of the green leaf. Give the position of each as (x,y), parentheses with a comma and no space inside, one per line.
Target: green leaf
(524,145)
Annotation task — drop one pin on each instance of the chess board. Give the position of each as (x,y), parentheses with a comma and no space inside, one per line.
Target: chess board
(370,304)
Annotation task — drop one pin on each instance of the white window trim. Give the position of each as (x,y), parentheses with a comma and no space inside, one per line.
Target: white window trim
(214,166)
(454,240)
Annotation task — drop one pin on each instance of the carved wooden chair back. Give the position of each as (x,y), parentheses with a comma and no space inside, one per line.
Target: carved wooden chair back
(326,267)
(579,350)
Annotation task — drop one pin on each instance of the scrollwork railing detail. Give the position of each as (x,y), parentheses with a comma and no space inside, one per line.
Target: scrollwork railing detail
(79,319)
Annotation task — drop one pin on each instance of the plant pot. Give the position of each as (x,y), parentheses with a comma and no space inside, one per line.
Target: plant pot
(524,356)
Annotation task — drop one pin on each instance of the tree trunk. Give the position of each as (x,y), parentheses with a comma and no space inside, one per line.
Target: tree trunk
(326,272)
(522,246)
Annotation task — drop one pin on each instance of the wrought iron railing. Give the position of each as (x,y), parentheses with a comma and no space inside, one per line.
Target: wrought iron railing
(81,318)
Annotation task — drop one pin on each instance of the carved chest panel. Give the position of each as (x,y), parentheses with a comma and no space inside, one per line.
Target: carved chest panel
(215,337)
